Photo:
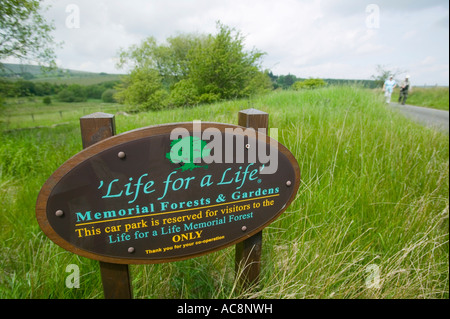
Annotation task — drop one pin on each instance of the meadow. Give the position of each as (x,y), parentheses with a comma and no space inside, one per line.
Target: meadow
(29,113)
(370,220)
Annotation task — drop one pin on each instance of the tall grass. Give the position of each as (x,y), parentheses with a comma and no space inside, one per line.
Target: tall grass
(372,207)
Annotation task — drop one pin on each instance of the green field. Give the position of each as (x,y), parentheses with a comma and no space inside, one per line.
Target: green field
(24,113)
(81,79)
(370,220)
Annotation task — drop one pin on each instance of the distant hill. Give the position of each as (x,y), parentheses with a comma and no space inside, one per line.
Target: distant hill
(364,83)
(59,76)
(286,81)
(35,71)
(66,76)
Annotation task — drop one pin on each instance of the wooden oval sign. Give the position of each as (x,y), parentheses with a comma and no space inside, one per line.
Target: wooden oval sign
(167,193)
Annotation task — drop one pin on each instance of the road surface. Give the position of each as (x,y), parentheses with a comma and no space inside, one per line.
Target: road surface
(426,116)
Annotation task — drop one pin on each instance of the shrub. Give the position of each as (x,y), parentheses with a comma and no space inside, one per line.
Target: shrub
(209,98)
(108,96)
(184,93)
(309,84)
(73,93)
(47,100)
(143,90)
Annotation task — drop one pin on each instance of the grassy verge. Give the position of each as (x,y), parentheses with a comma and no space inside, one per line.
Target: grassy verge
(437,97)
(370,219)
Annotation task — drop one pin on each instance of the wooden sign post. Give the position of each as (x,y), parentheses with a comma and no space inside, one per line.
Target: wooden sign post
(166,193)
(115,277)
(248,252)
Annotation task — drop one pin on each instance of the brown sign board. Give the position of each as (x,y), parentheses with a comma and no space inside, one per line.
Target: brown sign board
(146,197)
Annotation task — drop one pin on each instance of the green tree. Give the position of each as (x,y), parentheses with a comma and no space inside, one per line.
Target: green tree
(170,59)
(184,93)
(383,73)
(47,100)
(175,56)
(286,81)
(190,69)
(260,83)
(25,88)
(25,34)
(108,96)
(73,93)
(220,65)
(142,90)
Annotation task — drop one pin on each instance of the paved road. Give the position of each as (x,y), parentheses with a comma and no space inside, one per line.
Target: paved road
(429,117)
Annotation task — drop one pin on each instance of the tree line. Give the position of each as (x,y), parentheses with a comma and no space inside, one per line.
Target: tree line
(291,81)
(63,92)
(183,95)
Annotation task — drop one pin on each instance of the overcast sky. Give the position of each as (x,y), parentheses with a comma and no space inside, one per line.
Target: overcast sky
(325,39)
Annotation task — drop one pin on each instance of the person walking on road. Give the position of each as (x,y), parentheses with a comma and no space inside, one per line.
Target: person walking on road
(388,88)
(404,88)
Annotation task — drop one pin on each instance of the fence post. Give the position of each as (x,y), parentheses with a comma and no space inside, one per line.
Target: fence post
(248,252)
(115,277)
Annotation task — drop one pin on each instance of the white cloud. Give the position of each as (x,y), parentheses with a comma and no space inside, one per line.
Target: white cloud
(322,38)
